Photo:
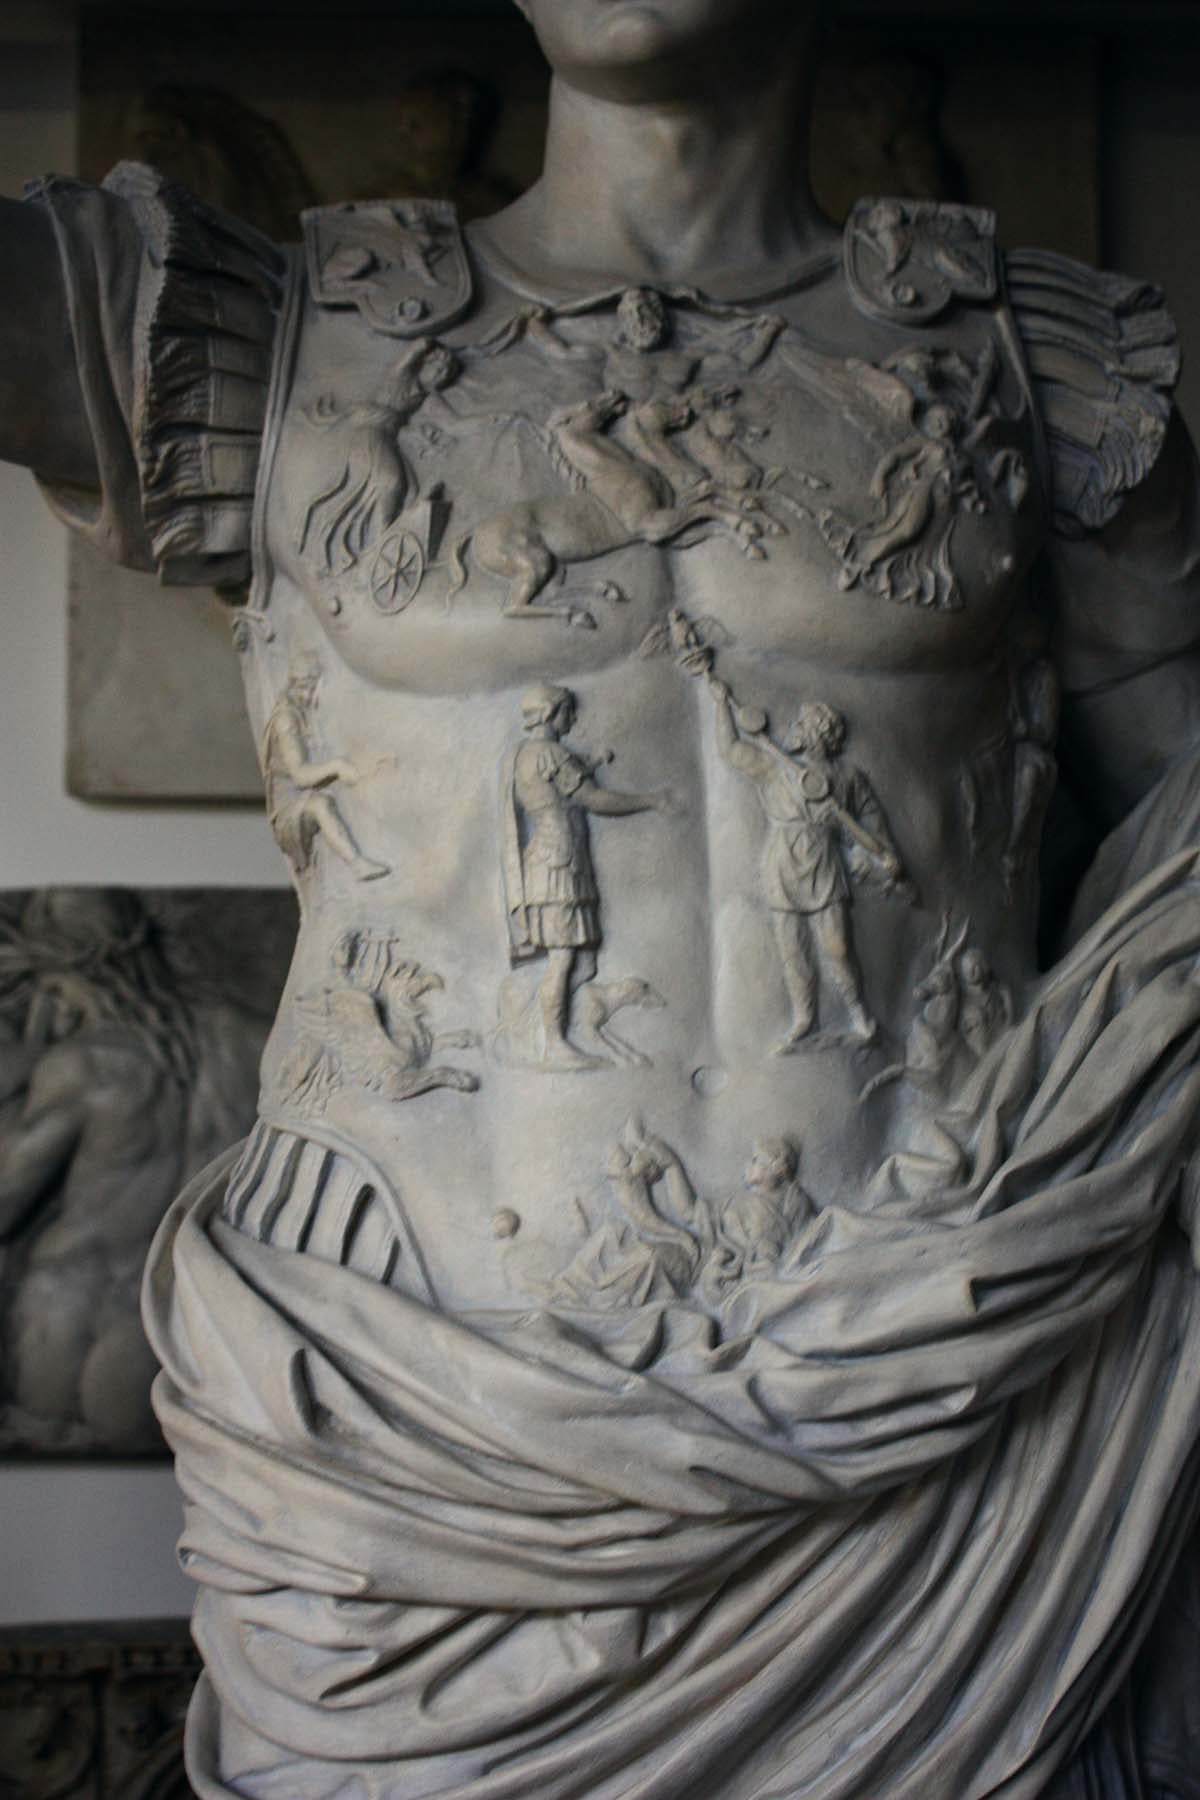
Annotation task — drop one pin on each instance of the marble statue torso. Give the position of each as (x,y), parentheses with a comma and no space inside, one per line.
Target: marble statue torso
(775,1371)
(815,505)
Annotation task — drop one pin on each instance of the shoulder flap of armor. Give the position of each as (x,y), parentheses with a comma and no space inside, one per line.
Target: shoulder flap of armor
(402,263)
(908,260)
(1104,359)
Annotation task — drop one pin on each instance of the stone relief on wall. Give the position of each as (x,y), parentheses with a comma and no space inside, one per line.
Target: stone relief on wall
(95,1712)
(130,1029)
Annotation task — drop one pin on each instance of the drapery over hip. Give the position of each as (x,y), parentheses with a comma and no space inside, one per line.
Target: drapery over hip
(893,1524)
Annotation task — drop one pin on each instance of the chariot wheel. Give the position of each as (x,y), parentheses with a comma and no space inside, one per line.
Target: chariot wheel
(397,571)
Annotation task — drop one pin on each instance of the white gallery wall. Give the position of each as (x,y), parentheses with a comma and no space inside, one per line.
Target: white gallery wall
(97,1542)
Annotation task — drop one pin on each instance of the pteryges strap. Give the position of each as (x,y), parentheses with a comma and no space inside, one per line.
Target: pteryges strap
(1103,355)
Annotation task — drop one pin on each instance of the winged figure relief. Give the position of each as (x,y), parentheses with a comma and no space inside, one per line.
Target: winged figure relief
(927,412)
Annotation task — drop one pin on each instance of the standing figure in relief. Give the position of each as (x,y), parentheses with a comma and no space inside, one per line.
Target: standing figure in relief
(550,885)
(299,811)
(826,832)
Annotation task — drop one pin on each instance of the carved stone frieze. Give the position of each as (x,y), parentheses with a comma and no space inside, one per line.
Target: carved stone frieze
(131,1025)
(95,1712)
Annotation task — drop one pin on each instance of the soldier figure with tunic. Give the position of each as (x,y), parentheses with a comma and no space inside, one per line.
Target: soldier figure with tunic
(553,902)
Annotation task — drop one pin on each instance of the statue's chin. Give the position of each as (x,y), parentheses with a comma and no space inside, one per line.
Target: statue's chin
(636,33)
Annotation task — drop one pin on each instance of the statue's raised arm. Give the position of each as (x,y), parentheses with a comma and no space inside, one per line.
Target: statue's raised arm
(137,353)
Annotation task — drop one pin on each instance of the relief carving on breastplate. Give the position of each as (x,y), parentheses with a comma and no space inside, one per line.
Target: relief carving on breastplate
(1007,785)
(827,833)
(654,453)
(374,533)
(926,411)
(369,1029)
(303,812)
(549,795)
(662,1241)
(961,1010)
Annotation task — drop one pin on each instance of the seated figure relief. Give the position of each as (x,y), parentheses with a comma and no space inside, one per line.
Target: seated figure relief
(592,1402)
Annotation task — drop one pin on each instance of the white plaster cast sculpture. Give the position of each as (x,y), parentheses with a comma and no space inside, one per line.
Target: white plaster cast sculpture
(700,1312)
(130,1031)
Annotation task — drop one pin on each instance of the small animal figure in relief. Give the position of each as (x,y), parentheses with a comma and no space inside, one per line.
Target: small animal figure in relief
(548,796)
(598,1001)
(371,1029)
(692,642)
(926,479)
(827,833)
(621,496)
(302,813)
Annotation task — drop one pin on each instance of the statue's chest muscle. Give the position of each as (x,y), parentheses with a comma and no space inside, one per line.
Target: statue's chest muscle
(474,517)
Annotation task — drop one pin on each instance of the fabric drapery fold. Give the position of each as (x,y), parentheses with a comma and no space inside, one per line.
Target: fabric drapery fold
(895,1521)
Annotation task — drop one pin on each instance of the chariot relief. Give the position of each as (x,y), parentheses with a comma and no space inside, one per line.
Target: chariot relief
(372,530)
(302,811)
(369,1029)
(622,492)
(548,796)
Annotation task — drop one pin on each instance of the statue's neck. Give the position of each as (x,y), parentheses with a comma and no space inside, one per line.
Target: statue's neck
(690,192)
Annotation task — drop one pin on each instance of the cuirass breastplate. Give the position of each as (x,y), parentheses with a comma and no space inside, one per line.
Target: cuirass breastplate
(800,504)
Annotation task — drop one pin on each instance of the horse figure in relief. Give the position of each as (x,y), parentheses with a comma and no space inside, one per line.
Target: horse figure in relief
(619,497)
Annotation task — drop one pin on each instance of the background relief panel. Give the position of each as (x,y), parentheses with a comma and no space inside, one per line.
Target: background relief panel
(131,1026)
